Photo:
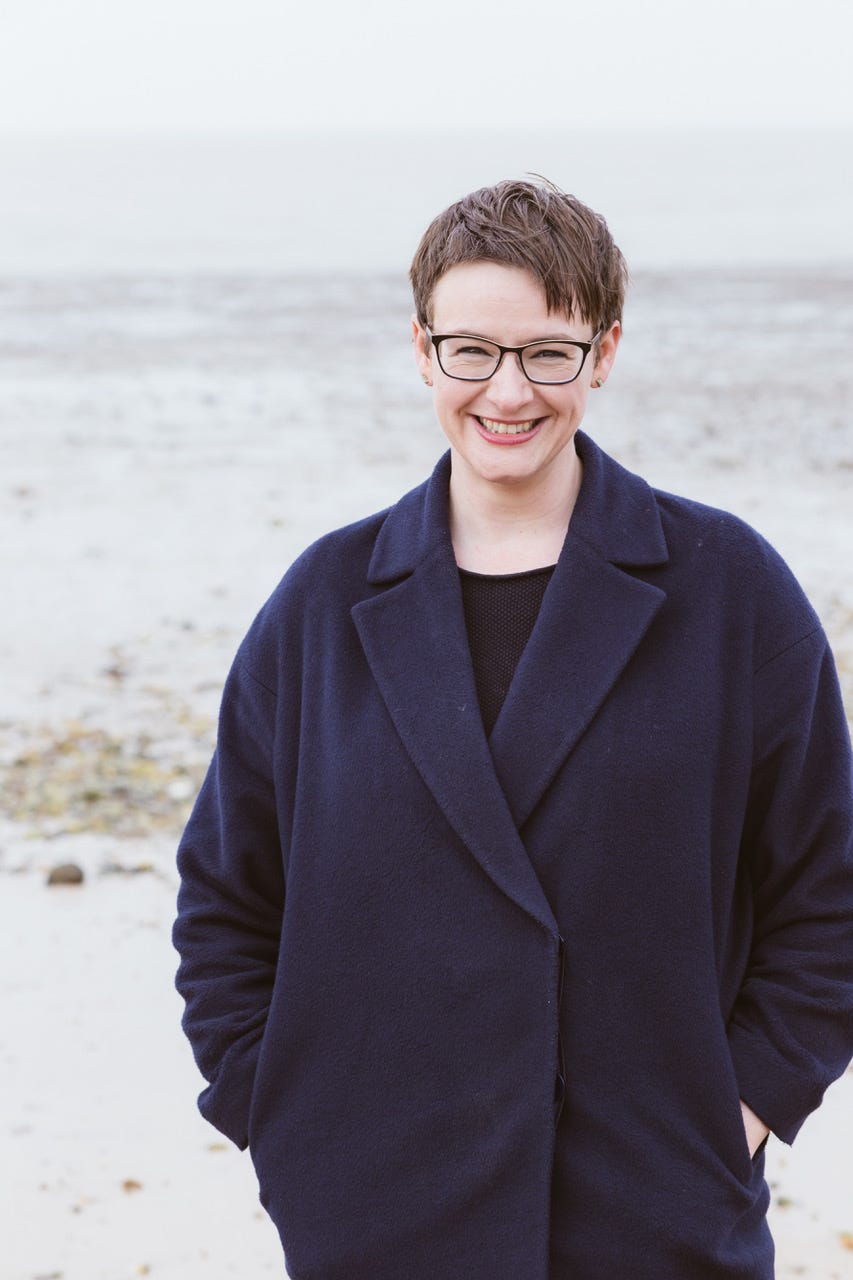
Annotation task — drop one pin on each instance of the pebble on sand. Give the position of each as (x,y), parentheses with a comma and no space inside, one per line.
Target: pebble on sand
(65,873)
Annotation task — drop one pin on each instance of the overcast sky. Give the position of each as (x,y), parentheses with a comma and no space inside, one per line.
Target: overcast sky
(270,65)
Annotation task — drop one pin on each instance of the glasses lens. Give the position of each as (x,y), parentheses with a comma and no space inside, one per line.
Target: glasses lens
(552,361)
(462,357)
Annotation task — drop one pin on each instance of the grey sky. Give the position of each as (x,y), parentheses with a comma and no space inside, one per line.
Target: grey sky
(236,65)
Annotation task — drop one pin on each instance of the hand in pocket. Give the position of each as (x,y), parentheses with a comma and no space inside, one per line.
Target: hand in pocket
(756,1130)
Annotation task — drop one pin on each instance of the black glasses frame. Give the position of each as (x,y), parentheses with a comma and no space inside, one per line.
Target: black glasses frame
(437,338)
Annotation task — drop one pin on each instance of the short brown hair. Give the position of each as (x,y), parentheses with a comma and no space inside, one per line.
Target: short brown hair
(534,225)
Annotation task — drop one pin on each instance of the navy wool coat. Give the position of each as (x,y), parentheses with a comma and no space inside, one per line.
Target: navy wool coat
(484,1009)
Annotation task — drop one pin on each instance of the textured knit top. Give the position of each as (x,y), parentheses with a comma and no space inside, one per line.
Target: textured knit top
(500,613)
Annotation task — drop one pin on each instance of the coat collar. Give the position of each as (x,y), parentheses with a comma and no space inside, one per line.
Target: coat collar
(616,515)
(593,617)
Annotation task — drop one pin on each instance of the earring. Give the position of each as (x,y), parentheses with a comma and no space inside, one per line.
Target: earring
(427,379)
(599,382)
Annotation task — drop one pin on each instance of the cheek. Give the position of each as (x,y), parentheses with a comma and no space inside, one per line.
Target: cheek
(575,405)
(449,403)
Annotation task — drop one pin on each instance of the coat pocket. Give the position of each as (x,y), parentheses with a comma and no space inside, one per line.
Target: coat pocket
(736,1151)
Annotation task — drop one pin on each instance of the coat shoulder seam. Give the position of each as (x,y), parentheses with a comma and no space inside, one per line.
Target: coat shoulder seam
(787,649)
(257,680)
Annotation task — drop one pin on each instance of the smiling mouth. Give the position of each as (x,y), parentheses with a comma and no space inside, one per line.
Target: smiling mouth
(507,428)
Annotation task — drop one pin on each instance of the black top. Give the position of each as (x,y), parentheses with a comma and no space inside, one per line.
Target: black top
(500,613)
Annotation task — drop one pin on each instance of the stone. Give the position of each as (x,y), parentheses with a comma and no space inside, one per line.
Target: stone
(65,873)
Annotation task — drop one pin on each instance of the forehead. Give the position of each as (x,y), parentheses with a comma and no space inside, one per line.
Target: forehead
(495,300)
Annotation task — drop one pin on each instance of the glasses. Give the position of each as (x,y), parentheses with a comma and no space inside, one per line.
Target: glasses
(460,355)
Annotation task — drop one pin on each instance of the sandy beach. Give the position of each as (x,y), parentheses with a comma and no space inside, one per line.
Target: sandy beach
(169,444)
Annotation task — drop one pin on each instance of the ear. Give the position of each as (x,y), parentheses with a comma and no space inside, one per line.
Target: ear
(606,353)
(423,350)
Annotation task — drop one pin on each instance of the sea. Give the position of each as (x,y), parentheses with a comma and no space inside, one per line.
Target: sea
(350,201)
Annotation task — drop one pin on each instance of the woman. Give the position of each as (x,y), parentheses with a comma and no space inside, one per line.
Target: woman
(517,905)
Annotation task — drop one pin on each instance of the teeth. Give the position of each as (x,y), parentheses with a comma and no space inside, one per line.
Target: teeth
(507,428)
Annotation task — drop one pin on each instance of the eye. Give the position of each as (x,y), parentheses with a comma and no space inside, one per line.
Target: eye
(553,361)
(466,347)
(545,354)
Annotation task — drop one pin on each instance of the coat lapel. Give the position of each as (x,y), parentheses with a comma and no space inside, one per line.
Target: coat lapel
(592,619)
(413,635)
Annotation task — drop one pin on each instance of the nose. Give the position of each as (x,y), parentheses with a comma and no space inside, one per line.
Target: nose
(508,385)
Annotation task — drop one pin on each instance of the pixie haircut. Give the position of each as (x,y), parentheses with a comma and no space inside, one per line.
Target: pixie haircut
(536,226)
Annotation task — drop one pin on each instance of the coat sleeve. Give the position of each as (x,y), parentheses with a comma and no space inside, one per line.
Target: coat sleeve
(230,904)
(791,1030)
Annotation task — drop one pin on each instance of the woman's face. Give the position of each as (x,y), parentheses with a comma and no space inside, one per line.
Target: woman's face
(507,430)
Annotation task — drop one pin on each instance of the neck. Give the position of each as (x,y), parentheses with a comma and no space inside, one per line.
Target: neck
(512,526)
